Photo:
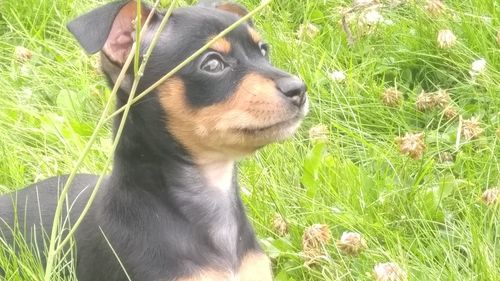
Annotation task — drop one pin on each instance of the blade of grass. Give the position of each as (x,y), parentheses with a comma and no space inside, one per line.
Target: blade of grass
(55,229)
(119,131)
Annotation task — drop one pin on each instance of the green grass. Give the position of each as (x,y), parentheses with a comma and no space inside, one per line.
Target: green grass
(422,214)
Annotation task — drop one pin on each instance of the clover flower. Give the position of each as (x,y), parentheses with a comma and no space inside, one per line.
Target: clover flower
(441,98)
(392,97)
(412,145)
(372,17)
(477,67)
(446,39)
(307,31)
(450,112)
(491,196)
(313,240)
(389,271)
(351,243)
(279,225)
(337,76)
(435,7)
(425,101)
(319,132)
(471,128)
(22,54)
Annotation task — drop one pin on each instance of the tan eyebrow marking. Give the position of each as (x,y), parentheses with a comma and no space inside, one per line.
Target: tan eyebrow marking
(256,37)
(222,46)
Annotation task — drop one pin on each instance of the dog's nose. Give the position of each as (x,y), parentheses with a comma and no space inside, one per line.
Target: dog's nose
(293,88)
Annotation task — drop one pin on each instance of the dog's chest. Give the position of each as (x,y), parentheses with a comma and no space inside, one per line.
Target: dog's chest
(223,231)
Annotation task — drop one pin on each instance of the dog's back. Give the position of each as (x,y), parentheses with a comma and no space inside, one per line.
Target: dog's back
(30,211)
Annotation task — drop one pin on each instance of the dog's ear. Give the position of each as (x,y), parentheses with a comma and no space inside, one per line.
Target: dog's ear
(227,6)
(110,28)
(232,8)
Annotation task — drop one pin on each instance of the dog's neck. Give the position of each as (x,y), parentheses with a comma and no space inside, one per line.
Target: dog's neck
(203,191)
(218,173)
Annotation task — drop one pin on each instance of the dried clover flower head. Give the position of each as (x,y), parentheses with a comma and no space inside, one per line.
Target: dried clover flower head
(389,272)
(441,98)
(313,239)
(22,54)
(446,39)
(307,31)
(471,128)
(351,243)
(450,112)
(337,76)
(319,132)
(279,225)
(445,157)
(392,97)
(477,67)
(372,17)
(434,7)
(364,2)
(491,196)
(412,145)
(425,101)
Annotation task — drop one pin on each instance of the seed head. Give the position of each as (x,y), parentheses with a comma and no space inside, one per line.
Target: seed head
(372,17)
(319,132)
(389,272)
(412,145)
(313,239)
(425,101)
(279,225)
(498,38)
(477,67)
(471,128)
(446,39)
(307,31)
(351,243)
(491,196)
(441,98)
(22,54)
(337,76)
(364,2)
(434,7)
(450,112)
(445,157)
(392,97)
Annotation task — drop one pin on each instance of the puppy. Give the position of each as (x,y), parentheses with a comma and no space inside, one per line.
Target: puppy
(171,209)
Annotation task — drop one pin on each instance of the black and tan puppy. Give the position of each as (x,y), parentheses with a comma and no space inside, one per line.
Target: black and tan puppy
(171,207)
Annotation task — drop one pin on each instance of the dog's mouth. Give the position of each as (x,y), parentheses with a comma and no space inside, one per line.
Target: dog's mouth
(280,129)
(285,127)
(274,127)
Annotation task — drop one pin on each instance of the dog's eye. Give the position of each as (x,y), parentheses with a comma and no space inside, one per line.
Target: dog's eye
(264,49)
(213,64)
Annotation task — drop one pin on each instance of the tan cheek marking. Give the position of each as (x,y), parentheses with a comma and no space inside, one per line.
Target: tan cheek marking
(256,37)
(180,116)
(210,128)
(255,267)
(233,8)
(251,103)
(222,46)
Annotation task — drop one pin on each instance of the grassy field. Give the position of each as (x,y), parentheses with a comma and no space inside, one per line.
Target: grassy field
(350,167)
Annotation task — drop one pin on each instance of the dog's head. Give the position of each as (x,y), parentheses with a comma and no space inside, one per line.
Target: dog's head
(229,101)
